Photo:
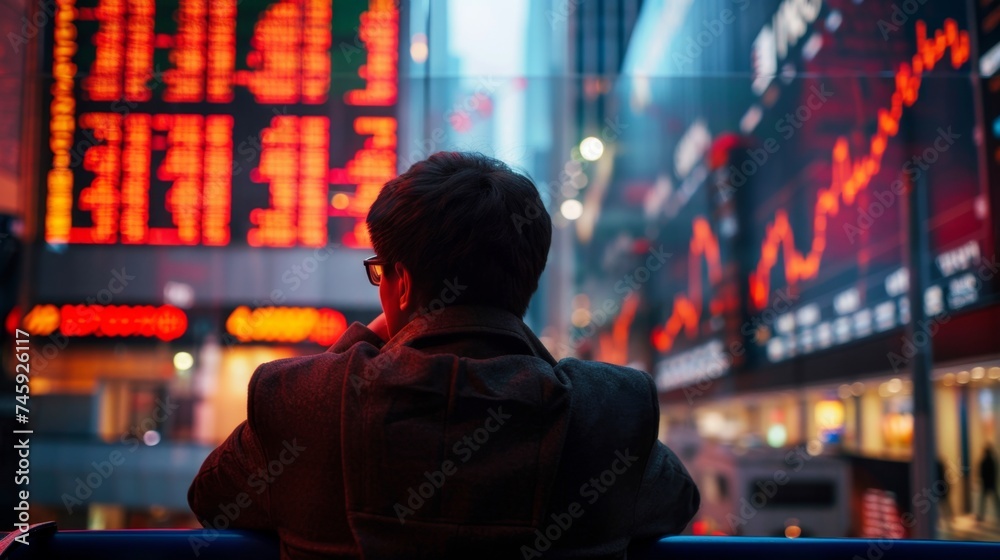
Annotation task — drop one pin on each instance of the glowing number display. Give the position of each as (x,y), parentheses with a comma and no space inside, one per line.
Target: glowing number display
(286,324)
(164,322)
(210,122)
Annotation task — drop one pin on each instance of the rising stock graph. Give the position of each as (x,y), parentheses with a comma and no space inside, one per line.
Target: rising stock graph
(848,178)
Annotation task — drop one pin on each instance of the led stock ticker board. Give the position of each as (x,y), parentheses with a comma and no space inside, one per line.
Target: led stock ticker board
(218,122)
(820,242)
(842,257)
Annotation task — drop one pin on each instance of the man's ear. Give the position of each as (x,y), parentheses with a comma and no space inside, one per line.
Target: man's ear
(405,286)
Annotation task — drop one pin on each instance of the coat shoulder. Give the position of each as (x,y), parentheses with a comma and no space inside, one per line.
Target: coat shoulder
(297,380)
(601,376)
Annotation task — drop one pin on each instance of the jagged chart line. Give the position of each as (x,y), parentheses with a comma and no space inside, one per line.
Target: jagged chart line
(849,177)
(613,346)
(686,313)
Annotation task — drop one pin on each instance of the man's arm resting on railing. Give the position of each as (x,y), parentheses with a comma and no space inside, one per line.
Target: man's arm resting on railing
(668,498)
(231,489)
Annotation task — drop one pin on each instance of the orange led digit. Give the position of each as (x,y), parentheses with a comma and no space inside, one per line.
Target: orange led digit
(169,322)
(165,322)
(218,177)
(279,162)
(186,80)
(314,150)
(286,324)
(379,32)
(221,60)
(139,39)
(330,324)
(275,59)
(41,320)
(105,82)
(370,168)
(316,42)
(182,165)
(62,124)
(102,197)
(135,179)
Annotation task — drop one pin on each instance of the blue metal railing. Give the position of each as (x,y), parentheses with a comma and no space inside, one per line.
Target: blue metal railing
(170,544)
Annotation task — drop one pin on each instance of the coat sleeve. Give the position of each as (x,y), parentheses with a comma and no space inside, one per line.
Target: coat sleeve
(668,498)
(231,490)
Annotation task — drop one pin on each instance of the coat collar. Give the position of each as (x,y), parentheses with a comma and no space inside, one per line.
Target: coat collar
(469,319)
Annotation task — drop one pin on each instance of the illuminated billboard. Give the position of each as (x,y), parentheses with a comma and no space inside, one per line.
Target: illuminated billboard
(770,148)
(187,138)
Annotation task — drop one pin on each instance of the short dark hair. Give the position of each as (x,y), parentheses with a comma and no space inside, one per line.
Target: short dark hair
(465,219)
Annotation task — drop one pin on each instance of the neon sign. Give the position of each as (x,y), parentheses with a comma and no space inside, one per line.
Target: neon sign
(164,322)
(286,324)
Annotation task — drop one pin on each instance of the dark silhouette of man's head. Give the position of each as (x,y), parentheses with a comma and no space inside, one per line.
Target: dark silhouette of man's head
(458,229)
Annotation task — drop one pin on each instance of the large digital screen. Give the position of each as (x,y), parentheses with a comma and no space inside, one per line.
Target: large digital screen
(788,133)
(192,139)
(828,225)
(217,122)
